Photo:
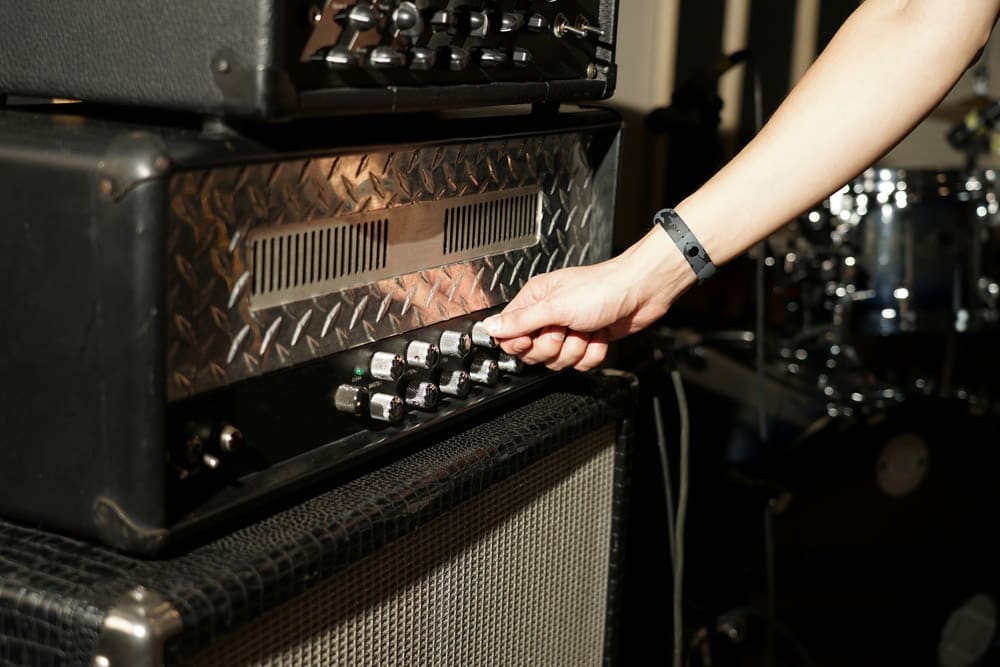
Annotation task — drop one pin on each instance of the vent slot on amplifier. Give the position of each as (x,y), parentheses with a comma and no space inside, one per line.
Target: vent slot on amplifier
(298,261)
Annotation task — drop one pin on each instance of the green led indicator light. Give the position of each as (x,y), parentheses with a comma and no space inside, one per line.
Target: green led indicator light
(359,371)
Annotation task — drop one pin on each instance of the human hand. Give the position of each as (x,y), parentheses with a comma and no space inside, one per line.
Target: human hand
(565,319)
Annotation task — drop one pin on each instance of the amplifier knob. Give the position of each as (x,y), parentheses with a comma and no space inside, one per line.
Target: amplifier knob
(444,20)
(351,398)
(406,20)
(509,364)
(479,24)
(521,57)
(455,344)
(340,57)
(384,57)
(480,337)
(422,355)
(386,408)
(455,383)
(422,395)
(537,23)
(360,17)
(491,57)
(422,58)
(387,366)
(458,58)
(484,371)
(511,21)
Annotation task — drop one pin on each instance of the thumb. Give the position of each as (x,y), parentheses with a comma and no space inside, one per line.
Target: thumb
(519,321)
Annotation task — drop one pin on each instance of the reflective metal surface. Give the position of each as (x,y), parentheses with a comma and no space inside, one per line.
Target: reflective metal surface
(218,334)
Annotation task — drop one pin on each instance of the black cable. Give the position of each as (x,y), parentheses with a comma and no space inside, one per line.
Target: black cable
(668,486)
(682,498)
(770,616)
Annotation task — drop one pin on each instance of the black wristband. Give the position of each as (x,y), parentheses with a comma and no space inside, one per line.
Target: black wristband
(689,245)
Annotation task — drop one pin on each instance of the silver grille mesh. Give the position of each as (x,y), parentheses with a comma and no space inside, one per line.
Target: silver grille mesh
(307,260)
(516,576)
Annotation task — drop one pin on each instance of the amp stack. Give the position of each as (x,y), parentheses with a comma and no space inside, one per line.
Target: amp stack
(248,249)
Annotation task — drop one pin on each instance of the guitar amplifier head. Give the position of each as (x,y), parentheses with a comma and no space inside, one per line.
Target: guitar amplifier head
(280,58)
(203,320)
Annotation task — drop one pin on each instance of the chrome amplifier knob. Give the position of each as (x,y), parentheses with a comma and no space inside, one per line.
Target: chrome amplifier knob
(386,408)
(422,395)
(510,364)
(480,337)
(351,398)
(455,383)
(422,355)
(387,366)
(455,344)
(484,371)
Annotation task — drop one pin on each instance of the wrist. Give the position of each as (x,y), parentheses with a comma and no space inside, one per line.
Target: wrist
(657,269)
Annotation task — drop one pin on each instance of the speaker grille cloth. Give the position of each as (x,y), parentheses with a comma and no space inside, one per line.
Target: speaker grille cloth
(516,576)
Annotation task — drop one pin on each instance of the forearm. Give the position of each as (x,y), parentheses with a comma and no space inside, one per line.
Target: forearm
(887,67)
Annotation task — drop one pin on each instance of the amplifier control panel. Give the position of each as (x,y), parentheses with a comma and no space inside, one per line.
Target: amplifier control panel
(355,402)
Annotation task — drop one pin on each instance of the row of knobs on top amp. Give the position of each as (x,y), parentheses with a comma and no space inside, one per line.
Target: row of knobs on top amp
(424,388)
(407,24)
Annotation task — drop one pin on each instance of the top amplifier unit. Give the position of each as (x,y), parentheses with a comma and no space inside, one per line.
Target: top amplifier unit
(281,58)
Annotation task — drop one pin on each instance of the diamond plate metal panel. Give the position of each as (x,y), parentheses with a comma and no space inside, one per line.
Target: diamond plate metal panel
(214,338)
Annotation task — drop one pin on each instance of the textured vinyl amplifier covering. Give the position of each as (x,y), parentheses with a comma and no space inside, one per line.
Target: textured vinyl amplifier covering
(516,577)
(216,336)
(55,591)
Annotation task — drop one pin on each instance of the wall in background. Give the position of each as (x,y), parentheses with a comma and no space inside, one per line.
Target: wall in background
(664,43)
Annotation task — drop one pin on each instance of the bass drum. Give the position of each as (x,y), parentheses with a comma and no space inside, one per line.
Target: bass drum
(887,543)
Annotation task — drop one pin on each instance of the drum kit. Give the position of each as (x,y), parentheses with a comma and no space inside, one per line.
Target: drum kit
(889,290)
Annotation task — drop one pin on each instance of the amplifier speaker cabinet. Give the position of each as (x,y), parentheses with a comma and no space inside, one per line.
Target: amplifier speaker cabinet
(194,322)
(279,58)
(498,544)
